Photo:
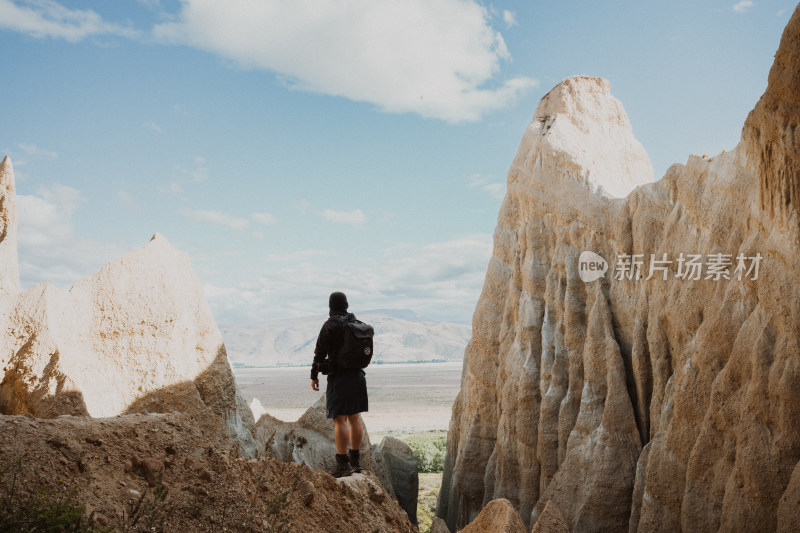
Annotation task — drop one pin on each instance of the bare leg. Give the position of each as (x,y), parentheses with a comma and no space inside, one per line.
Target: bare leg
(340,434)
(356,431)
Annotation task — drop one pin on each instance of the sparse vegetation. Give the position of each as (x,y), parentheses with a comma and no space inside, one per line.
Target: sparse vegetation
(44,509)
(429,449)
(149,513)
(277,520)
(429,485)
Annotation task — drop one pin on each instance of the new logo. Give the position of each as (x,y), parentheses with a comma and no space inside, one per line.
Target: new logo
(591,266)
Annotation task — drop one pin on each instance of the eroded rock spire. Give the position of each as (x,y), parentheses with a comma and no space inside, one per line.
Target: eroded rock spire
(9,263)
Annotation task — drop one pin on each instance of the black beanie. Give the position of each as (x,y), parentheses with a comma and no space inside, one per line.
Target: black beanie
(337,302)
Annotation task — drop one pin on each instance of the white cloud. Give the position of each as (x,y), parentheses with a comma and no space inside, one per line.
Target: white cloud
(743,6)
(173,188)
(47,218)
(46,18)
(216,218)
(153,126)
(49,249)
(509,18)
(264,218)
(355,218)
(293,257)
(496,189)
(304,206)
(195,173)
(440,280)
(33,151)
(128,200)
(25,153)
(440,59)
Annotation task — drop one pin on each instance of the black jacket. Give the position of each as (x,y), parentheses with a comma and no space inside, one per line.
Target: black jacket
(330,339)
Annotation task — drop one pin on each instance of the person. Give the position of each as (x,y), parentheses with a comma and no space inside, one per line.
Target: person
(346,390)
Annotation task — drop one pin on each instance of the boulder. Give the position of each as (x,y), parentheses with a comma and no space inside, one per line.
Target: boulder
(499,516)
(310,441)
(664,399)
(439,526)
(403,470)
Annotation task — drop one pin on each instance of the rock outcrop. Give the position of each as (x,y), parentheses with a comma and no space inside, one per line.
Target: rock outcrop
(186,474)
(310,441)
(499,516)
(137,335)
(770,134)
(403,470)
(659,399)
(9,263)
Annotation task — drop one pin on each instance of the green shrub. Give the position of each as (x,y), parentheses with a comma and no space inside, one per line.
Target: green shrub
(429,450)
(429,485)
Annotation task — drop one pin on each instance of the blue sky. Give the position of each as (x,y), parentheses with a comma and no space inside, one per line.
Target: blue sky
(298,147)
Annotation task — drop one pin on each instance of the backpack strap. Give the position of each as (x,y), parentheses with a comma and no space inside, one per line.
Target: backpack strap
(343,319)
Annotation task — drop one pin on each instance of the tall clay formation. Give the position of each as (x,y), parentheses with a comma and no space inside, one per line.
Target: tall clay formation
(9,264)
(770,132)
(136,336)
(661,404)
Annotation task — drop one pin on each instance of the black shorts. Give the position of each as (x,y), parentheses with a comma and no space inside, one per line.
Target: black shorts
(346,393)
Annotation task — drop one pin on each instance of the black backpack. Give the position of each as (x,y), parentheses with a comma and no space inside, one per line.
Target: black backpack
(356,350)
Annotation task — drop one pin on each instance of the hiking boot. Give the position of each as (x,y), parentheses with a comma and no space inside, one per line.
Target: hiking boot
(355,461)
(342,466)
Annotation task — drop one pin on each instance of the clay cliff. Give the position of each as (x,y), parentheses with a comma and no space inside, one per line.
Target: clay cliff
(9,262)
(136,336)
(662,393)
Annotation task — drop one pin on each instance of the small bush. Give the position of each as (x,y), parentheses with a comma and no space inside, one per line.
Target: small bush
(277,515)
(150,512)
(429,450)
(44,510)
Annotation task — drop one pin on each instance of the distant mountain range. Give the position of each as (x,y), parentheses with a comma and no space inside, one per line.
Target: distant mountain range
(400,337)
